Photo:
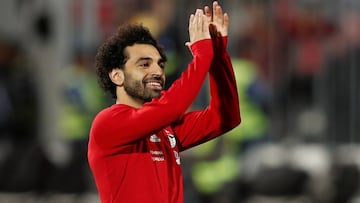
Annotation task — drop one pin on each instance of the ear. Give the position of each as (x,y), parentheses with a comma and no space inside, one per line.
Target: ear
(117,76)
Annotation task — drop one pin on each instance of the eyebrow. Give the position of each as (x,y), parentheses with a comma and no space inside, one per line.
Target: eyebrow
(143,59)
(149,59)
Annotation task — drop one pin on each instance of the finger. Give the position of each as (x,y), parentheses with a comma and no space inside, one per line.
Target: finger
(191,20)
(226,21)
(215,4)
(198,19)
(218,14)
(191,28)
(226,24)
(208,13)
(205,24)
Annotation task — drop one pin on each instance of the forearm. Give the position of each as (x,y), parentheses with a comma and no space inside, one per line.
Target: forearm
(223,87)
(222,114)
(184,90)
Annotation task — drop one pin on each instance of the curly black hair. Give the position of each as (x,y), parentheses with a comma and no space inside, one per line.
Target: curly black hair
(111,55)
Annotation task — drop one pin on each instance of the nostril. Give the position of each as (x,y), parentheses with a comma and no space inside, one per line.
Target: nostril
(156,76)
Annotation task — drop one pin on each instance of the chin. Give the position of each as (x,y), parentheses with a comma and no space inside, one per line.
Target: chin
(149,99)
(156,94)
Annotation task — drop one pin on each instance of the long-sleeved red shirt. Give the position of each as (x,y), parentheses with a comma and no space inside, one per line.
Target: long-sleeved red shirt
(134,153)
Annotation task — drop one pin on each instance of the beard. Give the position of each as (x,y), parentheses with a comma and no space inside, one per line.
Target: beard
(137,89)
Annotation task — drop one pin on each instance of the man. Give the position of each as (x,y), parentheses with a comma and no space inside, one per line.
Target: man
(134,144)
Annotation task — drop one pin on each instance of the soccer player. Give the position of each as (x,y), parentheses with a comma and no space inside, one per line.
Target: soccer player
(134,144)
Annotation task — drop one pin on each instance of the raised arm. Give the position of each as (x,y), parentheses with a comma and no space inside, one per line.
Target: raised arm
(223,88)
(223,112)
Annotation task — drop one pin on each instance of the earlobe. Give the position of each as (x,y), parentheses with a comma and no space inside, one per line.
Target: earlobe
(117,76)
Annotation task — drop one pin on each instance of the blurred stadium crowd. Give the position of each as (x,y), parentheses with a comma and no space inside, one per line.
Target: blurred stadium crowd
(297,64)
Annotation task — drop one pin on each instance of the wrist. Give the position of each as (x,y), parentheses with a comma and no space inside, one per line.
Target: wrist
(201,47)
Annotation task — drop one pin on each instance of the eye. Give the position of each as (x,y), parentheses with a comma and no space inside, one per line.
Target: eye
(145,64)
(162,65)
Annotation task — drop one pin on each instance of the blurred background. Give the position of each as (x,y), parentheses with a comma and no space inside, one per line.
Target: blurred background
(297,64)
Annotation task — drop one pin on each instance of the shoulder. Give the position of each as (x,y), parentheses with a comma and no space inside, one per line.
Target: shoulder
(112,112)
(108,117)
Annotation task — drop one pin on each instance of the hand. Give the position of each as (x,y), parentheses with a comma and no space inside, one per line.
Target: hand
(198,27)
(218,19)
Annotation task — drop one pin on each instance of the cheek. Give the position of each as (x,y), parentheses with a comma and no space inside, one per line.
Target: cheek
(140,74)
(134,75)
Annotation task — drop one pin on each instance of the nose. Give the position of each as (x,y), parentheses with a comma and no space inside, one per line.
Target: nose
(156,76)
(157,71)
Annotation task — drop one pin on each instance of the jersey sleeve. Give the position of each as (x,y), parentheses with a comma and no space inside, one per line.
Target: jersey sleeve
(116,127)
(223,112)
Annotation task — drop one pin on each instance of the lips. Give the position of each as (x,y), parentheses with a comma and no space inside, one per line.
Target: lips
(156,85)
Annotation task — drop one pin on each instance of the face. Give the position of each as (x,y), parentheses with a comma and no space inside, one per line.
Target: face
(143,72)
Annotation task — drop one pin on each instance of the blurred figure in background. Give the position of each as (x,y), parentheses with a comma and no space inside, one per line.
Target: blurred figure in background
(304,29)
(342,79)
(21,157)
(82,98)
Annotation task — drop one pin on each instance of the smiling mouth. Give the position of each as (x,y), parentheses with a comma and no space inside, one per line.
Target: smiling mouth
(154,85)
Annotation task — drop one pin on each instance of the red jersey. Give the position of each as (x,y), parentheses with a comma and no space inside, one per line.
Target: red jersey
(134,153)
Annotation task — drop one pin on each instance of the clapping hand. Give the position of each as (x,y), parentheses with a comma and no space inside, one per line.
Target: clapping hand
(198,27)
(219,21)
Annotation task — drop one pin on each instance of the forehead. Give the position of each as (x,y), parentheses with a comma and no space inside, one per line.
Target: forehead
(142,50)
